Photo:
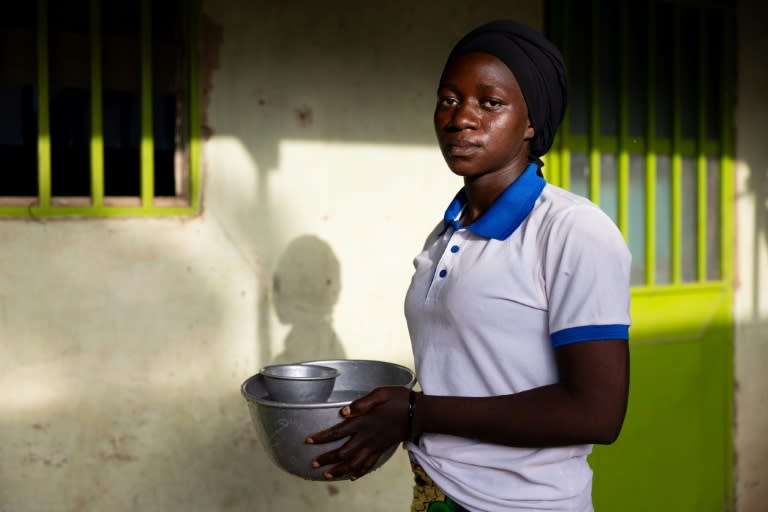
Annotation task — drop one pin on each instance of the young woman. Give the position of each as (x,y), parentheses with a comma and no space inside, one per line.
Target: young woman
(518,310)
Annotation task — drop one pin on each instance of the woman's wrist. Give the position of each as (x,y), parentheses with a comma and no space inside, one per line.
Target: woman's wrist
(413,432)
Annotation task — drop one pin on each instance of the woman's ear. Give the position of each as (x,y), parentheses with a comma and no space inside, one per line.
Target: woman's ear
(529,132)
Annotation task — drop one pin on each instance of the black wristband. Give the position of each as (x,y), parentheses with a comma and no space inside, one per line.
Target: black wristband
(411,412)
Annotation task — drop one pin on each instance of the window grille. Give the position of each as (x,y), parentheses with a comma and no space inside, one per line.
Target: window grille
(100,106)
(648,131)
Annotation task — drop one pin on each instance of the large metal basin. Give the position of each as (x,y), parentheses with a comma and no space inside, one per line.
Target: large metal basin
(282,427)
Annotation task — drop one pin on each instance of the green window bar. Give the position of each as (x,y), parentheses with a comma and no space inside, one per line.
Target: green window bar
(44,205)
(650,154)
(701,161)
(147,145)
(97,135)
(675,149)
(560,160)
(623,162)
(594,118)
(677,158)
(726,153)
(195,116)
(44,132)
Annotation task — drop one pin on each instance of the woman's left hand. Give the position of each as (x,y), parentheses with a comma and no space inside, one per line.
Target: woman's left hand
(374,423)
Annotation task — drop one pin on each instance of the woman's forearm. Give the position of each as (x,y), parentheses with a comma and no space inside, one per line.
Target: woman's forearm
(586,406)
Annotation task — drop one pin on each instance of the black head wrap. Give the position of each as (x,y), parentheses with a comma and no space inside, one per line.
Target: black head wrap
(537,66)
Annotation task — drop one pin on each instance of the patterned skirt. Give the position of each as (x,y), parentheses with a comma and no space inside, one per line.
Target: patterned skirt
(427,497)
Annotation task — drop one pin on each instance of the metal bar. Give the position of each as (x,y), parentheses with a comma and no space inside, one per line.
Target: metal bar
(564,139)
(677,159)
(195,118)
(650,155)
(89,211)
(727,239)
(552,163)
(43,130)
(97,135)
(565,126)
(553,14)
(556,29)
(623,161)
(677,289)
(565,165)
(594,103)
(147,143)
(701,156)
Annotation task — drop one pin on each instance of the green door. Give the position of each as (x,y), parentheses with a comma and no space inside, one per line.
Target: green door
(648,136)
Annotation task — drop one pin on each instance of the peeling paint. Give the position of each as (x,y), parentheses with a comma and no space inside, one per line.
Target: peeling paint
(212,35)
(304,115)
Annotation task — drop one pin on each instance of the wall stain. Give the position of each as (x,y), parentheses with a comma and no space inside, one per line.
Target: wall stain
(304,115)
(119,450)
(32,458)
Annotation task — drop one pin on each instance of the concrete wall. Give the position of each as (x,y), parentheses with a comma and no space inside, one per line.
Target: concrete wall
(751,298)
(124,342)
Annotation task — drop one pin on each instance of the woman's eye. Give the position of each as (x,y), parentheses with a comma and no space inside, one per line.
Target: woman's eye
(492,103)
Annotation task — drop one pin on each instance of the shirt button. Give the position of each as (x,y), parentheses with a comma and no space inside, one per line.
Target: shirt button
(443,273)
(455,248)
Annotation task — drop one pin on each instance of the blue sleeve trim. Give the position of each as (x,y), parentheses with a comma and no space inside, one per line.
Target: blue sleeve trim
(590,333)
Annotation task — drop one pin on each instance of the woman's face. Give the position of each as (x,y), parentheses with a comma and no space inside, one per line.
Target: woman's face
(481,118)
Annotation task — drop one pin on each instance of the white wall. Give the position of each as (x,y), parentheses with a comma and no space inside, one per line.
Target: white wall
(124,342)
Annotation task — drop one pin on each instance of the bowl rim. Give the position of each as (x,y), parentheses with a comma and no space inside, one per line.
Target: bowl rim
(328,372)
(324,405)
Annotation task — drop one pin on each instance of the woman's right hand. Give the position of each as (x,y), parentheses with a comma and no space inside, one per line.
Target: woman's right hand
(374,424)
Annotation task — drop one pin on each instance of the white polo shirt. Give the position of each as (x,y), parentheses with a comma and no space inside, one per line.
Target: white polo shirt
(487,305)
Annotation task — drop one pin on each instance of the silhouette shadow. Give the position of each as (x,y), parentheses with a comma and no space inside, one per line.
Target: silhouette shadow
(306,286)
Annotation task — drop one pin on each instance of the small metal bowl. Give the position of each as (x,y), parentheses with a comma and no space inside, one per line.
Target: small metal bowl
(299,383)
(282,427)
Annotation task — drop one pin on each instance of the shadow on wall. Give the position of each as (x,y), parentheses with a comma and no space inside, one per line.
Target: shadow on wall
(306,286)
(757,186)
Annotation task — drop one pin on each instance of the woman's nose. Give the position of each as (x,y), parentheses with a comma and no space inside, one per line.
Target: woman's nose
(464,116)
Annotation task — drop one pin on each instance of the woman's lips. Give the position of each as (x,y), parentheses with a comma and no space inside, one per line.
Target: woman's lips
(461,148)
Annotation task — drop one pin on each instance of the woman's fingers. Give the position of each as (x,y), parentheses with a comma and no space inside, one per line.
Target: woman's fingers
(341,467)
(359,465)
(349,451)
(326,459)
(341,430)
(366,404)
(366,467)
(336,432)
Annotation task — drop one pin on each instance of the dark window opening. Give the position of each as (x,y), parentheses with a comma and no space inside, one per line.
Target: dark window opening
(70,98)
(18,106)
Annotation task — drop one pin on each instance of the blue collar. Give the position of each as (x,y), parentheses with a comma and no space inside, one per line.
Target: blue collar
(506,213)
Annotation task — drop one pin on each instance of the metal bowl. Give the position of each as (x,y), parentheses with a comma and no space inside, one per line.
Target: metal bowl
(299,383)
(282,427)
